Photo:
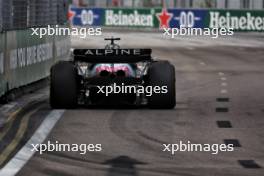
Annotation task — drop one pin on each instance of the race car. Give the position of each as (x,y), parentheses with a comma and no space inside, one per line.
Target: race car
(112,76)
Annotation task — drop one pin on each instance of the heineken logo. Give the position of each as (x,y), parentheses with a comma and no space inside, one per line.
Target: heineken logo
(134,18)
(246,22)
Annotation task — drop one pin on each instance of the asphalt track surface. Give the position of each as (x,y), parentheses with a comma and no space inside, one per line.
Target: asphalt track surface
(220,99)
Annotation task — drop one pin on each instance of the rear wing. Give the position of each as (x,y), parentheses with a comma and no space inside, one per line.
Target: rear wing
(112,55)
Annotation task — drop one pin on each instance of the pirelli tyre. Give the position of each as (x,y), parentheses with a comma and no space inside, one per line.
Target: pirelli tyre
(63,86)
(162,73)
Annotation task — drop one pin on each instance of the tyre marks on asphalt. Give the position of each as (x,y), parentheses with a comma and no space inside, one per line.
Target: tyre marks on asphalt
(21,158)
(14,133)
(118,127)
(7,110)
(17,139)
(8,107)
(8,123)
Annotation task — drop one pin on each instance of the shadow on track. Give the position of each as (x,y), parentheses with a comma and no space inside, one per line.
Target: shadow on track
(122,166)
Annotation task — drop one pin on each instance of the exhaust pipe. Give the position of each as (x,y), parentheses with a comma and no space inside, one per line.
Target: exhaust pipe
(121,73)
(104,73)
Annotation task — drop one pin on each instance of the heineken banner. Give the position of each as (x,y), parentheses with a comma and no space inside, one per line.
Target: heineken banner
(130,17)
(87,16)
(239,20)
(184,18)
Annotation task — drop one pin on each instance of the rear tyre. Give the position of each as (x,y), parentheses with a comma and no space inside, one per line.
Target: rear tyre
(63,86)
(162,74)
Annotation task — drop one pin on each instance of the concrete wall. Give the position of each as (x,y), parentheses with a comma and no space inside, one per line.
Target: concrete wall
(25,59)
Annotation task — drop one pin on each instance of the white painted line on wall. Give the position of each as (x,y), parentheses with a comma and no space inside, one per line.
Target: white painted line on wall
(25,153)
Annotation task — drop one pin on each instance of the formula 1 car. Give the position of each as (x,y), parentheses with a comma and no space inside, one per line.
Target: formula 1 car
(112,76)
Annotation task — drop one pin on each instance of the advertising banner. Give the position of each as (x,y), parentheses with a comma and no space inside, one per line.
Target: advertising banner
(187,18)
(86,16)
(130,17)
(239,20)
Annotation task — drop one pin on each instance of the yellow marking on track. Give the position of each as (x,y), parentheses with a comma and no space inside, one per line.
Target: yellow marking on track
(19,135)
(9,123)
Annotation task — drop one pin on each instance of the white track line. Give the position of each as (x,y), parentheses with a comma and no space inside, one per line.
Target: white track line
(23,156)
(223,78)
(221,74)
(224,91)
(224,84)
(190,48)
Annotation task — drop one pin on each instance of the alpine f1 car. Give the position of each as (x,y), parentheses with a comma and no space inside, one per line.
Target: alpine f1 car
(112,76)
